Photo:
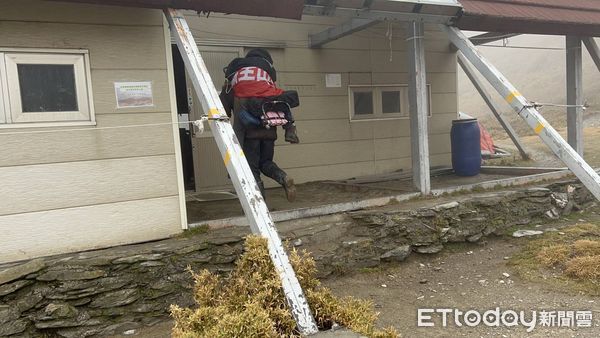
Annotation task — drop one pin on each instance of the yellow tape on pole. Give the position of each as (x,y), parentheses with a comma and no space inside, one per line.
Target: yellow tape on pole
(538,128)
(511,97)
(227,157)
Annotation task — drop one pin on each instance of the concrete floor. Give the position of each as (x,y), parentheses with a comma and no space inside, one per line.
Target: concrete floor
(319,193)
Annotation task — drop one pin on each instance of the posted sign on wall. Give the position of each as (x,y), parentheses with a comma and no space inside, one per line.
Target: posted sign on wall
(134,94)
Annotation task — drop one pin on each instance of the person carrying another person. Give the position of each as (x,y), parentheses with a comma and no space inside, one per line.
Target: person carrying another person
(258,107)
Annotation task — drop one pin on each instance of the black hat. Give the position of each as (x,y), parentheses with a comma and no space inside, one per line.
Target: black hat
(261,53)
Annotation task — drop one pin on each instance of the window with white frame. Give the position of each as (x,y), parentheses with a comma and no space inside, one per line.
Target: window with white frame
(375,102)
(50,87)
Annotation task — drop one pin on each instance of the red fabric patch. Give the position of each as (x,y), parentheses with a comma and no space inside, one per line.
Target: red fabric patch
(254,82)
(487,143)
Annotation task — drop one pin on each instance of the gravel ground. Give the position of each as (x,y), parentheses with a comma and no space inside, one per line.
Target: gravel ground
(474,276)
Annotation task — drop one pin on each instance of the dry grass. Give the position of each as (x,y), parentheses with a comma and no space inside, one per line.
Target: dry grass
(584,267)
(554,255)
(250,301)
(573,258)
(586,247)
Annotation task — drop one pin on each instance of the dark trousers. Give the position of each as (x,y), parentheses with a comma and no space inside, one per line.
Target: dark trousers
(239,129)
(259,153)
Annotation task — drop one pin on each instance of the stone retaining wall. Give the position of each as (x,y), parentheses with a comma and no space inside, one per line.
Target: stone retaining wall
(113,290)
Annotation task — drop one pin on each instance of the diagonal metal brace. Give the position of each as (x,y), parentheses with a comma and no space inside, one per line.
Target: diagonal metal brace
(527,111)
(252,202)
(464,64)
(333,33)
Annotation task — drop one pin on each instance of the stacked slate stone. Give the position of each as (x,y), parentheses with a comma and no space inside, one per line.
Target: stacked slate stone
(108,291)
(113,290)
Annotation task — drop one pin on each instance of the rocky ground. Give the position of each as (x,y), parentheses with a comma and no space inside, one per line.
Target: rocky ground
(464,276)
(473,276)
(120,289)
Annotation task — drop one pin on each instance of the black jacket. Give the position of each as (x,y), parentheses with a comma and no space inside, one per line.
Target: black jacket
(255,58)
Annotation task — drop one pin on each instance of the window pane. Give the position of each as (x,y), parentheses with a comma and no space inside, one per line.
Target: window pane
(363,103)
(390,101)
(47,88)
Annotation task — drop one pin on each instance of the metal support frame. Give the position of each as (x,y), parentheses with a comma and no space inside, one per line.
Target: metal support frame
(365,13)
(484,38)
(593,49)
(254,206)
(478,84)
(490,37)
(574,93)
(333,33)
(527,111)
(419,106)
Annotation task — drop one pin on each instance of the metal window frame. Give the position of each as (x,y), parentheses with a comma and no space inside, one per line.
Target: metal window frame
(85,116)
(351,91)
(402,92)
(378,114)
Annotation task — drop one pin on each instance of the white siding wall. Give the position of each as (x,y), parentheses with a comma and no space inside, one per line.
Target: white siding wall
(93,188)
(331,146)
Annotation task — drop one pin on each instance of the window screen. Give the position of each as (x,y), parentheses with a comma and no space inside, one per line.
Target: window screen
(363,103)
(390,101)
(47,88)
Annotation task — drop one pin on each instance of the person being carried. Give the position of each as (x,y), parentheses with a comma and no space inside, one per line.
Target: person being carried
(258,107)
(254,76)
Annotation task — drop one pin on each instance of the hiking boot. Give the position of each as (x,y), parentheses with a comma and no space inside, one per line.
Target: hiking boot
(290,135)
(290,189)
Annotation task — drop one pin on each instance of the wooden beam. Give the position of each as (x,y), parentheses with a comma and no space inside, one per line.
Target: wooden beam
(333,33)
(593,49)
(527,111)
(491,104)
(419,106)
(574,93)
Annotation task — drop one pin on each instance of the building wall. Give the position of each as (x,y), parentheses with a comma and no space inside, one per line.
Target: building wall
(76,190)
(332,146)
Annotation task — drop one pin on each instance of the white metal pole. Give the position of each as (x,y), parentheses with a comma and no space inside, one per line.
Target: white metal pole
(419,106)
(574,93)
(245,185)
(593,49)
(527,111)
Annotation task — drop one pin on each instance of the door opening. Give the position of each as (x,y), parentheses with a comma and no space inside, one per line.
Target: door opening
(202,163)
(183,114)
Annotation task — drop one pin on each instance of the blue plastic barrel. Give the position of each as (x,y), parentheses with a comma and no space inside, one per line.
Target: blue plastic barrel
(466,147)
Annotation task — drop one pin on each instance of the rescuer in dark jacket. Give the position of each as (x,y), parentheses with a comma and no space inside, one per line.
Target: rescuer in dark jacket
(249,87)
(254,77)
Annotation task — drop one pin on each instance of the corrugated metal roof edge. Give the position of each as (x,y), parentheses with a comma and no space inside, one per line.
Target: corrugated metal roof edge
(492,24)
(559,4)
(530,16)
